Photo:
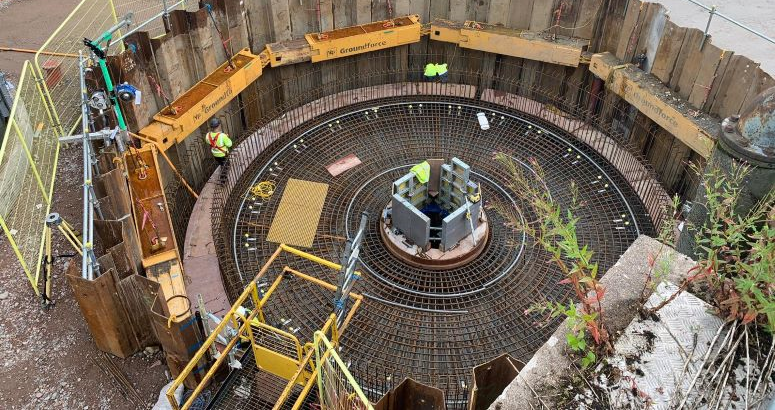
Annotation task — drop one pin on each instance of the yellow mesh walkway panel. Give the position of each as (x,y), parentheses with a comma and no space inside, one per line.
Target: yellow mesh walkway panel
(298,215)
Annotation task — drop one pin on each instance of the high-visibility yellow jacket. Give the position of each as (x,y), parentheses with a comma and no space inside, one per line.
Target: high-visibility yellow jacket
(430,70)
(422,171)
(219,143)
(441,69)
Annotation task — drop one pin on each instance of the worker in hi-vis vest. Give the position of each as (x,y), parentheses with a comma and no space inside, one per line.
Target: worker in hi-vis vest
(422,171)
(219,143)
(430,72)
(441,71)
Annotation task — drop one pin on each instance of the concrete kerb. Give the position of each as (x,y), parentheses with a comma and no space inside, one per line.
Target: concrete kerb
(623,283)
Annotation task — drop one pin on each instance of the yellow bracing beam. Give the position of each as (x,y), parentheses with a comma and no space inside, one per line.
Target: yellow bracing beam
(192,109)
(509,42)
(643,93)
(354,40)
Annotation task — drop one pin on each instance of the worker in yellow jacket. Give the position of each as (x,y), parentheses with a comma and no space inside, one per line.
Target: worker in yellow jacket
(441,71)
(219,143)
(430,72)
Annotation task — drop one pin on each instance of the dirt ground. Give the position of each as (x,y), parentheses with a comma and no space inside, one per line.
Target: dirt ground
(27,24)
(50,360)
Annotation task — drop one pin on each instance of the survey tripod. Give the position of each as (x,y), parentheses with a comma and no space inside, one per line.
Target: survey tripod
(54,220)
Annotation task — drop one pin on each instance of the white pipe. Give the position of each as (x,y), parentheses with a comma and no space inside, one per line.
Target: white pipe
(484,123)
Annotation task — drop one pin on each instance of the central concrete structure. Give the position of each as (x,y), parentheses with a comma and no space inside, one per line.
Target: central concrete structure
(435,219)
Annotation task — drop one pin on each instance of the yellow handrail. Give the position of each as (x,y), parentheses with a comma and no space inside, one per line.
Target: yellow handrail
(255,318)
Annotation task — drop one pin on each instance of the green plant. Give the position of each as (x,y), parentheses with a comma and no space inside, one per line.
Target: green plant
(578,322)
(555,231)
(660,263)
(736,251)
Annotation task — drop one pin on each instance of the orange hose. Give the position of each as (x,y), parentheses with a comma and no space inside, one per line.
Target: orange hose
(48,53)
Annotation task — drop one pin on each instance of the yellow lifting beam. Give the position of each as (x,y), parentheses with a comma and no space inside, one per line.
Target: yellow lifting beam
(354,40)
(636,88)
(473,35)
(192,109)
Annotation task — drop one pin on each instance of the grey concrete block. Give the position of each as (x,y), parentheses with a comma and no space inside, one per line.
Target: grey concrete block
(623,283)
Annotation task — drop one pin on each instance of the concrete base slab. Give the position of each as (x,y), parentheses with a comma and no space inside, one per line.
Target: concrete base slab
(623,282)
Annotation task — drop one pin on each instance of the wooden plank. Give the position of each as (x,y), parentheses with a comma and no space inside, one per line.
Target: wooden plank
(281,19)
(630,30)
(343,164)
(739,76)
(541,14)
(458,10)
(402,7)
(303,18)
(587,18)
(479,10)
(362,11)
(437,9)
(520,13)
(509,70)
(653,28)
(691,40)
(667,52)
(690,60)
(552,79)
(530,75)
(379,10)
(326,15)
(711,57)
(717,79)
(651,98)
(487,71)
(573,84)
(343,13)
(568,12)
(761,82)
(498,12)
(259,23)
(612,23)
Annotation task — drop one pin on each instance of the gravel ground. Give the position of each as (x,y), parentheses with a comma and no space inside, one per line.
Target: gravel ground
(50,357)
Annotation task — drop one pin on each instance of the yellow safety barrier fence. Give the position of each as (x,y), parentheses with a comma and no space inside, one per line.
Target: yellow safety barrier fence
(337,388)
(275,351)
(47,106)
(28,160)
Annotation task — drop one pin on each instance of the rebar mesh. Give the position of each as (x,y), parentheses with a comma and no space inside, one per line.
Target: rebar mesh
(429,325)
(435,326)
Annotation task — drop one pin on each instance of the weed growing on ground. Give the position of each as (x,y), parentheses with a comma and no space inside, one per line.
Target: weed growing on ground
(555,232)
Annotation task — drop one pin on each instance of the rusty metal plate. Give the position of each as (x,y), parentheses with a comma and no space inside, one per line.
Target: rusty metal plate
(297,217)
